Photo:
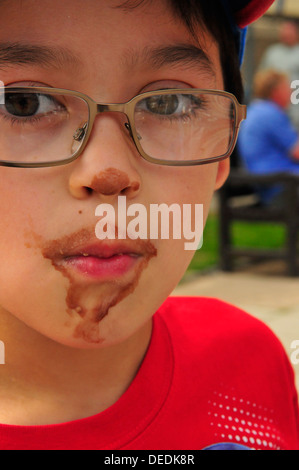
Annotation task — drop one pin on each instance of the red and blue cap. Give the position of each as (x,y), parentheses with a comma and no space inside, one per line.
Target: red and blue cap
(240,14)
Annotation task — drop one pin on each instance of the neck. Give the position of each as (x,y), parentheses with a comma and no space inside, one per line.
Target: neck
(43,382)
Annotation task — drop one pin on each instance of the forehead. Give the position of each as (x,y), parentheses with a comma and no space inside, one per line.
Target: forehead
(92,33)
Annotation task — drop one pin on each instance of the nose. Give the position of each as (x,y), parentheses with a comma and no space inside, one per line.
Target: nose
(113,181)
(107,166)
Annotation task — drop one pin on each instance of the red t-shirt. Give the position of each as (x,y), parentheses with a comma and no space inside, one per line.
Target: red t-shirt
(212,374)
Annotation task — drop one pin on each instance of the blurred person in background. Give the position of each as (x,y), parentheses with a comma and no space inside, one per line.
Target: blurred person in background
(284,56)
(268,141)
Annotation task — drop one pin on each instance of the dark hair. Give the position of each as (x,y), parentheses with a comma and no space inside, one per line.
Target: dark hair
(210,16)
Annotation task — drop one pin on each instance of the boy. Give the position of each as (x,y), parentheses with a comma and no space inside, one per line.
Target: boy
(87,363)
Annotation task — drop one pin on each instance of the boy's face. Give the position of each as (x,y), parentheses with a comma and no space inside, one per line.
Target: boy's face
(48,214)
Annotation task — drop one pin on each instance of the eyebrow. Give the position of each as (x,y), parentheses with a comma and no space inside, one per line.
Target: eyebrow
(181,55)
(16,53)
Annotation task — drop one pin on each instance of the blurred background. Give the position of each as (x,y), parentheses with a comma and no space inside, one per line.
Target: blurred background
(263,34)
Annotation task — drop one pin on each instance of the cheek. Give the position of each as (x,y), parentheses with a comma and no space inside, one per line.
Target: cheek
(25,200)
(25,278)
(190,185)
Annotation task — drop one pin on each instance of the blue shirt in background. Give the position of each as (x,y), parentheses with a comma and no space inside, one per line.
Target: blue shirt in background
(265,140)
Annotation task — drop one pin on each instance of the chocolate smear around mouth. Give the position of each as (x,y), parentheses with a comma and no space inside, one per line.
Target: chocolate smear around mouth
(91,302)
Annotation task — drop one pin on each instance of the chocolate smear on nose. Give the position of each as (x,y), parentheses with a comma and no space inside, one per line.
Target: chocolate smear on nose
(112,181)
(109,182)
(90,302)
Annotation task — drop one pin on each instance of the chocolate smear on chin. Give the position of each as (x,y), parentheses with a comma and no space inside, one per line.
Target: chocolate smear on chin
(91,302)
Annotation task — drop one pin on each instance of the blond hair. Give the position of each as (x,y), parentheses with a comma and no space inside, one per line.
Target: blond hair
(265,81)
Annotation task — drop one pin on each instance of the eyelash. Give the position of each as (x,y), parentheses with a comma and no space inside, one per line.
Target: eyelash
(20,121)
(174,118)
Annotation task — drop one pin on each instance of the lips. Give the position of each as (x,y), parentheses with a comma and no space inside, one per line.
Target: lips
(104,250)
(100,259)
(113,266)
(103,261)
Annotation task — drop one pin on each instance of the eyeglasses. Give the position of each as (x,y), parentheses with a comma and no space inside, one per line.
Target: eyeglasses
(44,127)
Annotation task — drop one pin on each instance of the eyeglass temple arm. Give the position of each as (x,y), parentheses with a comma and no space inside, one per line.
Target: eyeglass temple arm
(242,114)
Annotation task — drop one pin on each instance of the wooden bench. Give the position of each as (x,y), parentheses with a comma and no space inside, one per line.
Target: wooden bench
(238,201)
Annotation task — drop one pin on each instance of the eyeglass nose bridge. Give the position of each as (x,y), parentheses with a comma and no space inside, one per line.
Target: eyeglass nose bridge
(81,132)
(123,108)
(113,107)
(117,108)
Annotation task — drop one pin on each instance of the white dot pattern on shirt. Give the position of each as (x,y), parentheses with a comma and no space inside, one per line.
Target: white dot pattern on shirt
(243,422)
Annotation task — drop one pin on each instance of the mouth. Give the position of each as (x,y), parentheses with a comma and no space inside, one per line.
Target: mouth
(101,259)
(101,274)
(101,262)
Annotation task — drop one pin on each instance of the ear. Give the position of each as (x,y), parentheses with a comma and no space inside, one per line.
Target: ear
(222,173)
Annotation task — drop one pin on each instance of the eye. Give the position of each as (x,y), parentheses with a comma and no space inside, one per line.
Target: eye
(162,104)
(172,105)
(28,104)
(22,105)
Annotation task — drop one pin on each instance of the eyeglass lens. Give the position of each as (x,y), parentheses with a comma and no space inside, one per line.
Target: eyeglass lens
(37,127)
(185,126)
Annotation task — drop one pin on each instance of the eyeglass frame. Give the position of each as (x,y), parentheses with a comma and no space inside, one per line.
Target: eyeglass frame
(128,108)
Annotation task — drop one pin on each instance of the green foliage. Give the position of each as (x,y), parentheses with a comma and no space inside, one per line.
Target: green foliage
(259,235)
